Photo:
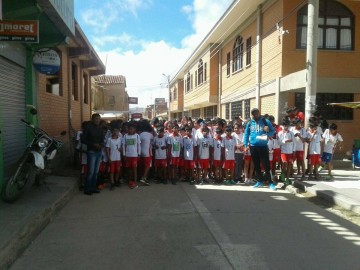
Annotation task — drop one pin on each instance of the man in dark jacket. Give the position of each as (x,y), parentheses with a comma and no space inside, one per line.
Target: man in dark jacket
(256,136)
(93,137)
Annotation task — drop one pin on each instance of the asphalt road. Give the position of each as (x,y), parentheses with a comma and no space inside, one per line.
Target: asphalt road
(188,227)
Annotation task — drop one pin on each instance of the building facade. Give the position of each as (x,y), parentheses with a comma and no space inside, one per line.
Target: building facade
(62,99)
(255,56)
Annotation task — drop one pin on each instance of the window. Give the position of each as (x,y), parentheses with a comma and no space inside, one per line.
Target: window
(53,85)
(227,110)
(247,108)
(328,112)
(236,109)
(175,93)
(111,100)
(210,112)
(86,88)
(248,51)
(74,82)
(205,72)
(196,84)
(195,113)
(188,82)
(336,26)
(228,64)
(191,83)
(238,52)
(200,78)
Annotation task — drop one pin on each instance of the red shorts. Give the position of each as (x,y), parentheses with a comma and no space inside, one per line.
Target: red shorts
(248,158)
(160,163)
(102,167)
(229,164)
(315,159)
(299,155)
(189,164)
(277,155)
(84,169)
(218,163)
(181,162)
(203,163)
(115,166)
(288,158)
(145,162)
(131,162)
(175,161)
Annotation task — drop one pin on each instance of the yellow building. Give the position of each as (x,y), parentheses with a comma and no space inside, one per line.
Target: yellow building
(255,56)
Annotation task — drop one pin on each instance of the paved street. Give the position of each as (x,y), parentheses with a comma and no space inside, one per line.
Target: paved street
(188,227)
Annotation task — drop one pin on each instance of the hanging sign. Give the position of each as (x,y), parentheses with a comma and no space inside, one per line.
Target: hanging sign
(132,100)
(46,61)
(21,31)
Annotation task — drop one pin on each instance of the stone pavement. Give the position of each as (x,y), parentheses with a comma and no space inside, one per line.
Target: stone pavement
(22,221)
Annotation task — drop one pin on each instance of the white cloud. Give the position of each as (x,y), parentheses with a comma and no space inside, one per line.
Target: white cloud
(123,39)
(143,70)
(205,14)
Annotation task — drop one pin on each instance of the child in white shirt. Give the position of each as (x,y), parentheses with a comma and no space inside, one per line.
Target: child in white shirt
(238,135)
(190,154)
(131,153)
(286,140)
(113,148)
(314,139)
(217,155)
(204,142)
(331,138)
(160,146)
(229,144)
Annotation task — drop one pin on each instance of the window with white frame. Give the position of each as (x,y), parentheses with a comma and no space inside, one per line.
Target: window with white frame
(200,77)
(238,53)
(248,51)
(188,82)
(228,60)
(336,26)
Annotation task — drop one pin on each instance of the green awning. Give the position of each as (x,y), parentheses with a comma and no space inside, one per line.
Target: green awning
(351,105)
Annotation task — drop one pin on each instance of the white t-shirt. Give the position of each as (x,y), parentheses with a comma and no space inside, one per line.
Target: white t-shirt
(131,145)
(330,141)
(160,142)
(114,145)
(176,144)
(229,145)
(239,140)
(271,149)
(299,145)
(217,145)
(204,146)
(189,144)
(314,145)
(146,144)
(286,147)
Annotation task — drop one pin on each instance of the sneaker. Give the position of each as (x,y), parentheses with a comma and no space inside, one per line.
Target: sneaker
(272,187)
(238,182)
(102,186)
(144,182)
(258,184)
(247,181)
(173,181)
(227,183)
(329,177)
(133,185)
(232,182)
(287,182)
(112,186)
(192,182)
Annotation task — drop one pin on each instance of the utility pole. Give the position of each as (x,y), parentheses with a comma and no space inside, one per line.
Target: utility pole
(311,59)
(168,84)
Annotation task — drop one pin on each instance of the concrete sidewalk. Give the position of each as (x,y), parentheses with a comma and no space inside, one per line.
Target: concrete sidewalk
(343,190)
(23,220)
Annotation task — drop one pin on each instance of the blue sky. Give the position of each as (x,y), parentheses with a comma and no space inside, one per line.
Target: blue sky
(142,39)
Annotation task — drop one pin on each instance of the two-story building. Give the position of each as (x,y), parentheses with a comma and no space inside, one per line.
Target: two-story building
(255,56)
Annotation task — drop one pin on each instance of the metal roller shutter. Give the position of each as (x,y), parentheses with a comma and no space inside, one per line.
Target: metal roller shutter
(12,94)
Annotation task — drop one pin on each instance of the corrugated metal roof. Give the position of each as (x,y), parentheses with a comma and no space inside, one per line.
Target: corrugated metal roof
(110,79)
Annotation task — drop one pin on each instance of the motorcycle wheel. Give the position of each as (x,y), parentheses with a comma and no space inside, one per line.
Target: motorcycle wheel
(15,186)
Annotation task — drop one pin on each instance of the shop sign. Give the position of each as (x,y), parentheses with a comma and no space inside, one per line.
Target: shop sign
(20,31)
(133,100)
(136,115)
(159,101)
(46,61)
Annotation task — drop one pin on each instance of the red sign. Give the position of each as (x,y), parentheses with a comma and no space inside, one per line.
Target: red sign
(136,115)
(21,31)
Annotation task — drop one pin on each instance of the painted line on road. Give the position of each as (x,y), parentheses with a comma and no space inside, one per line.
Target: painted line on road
(242,257)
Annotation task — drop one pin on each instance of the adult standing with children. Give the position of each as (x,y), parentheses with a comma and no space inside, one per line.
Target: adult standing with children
(256,136)
(93,137)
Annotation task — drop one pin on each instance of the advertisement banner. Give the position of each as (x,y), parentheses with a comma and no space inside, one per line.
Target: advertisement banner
(20,31)
(46,61)
(159,101)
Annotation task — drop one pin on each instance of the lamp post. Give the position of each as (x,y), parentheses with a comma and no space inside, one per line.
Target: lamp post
(168,82)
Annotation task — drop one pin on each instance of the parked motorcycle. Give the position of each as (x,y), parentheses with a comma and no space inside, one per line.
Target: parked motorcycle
(35,160)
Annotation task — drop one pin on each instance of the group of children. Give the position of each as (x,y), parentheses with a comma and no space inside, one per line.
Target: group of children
(204,151)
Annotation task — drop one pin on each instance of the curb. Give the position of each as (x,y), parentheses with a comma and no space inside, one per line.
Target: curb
(38,222)
(337,199)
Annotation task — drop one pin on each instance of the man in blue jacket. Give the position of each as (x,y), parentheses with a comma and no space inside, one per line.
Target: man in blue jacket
(257,132)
